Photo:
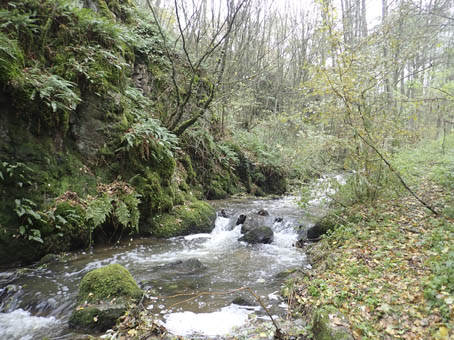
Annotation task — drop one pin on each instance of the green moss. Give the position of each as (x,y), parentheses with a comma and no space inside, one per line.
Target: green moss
(155,197)
(187,163)
(63,237)
(164,164)
(84,319)
(324,329)
(215,191)
(11,60)
(198,217)
(106,283)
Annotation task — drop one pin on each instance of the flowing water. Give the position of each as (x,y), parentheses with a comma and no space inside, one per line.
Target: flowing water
(36,302)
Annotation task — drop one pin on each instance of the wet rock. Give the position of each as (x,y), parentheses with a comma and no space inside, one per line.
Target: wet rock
(278,219)
(223,213)
(241,219)
(49,258)
(330,325)
(263,212)
(321,227)
(191,266)
(104,294)
(256,221)
(97,318)
(241,301)
(258,235)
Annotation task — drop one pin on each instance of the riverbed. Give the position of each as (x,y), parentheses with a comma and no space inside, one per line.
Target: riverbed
(36,302)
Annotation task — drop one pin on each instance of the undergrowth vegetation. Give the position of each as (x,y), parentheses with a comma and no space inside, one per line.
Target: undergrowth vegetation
(388,266)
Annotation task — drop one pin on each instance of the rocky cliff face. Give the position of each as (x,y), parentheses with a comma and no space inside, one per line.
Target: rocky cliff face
(84,152)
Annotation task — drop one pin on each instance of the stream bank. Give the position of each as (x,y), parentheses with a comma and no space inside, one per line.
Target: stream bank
(86,154)
(384,272)
(43,297)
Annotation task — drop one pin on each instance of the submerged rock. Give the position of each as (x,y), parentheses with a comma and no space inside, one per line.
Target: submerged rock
(258,235)
(263,212)
(241,301)
(104,295)
(191,266)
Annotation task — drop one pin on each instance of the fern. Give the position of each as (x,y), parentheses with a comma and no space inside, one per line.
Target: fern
(122,213)
(146,131)
(99,209)
(132,202)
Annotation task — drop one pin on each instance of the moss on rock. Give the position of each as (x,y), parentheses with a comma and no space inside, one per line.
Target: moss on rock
(104,295)
(197,217)
(112,281)
(105,316)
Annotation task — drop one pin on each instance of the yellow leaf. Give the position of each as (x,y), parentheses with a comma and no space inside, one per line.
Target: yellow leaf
(443,333)
(95,319)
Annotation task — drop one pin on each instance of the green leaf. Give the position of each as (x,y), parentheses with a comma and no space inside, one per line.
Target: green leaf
(122,213)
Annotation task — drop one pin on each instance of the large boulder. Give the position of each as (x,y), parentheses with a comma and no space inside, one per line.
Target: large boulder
(104,295)
(255,221)
(261,234)
(196,217)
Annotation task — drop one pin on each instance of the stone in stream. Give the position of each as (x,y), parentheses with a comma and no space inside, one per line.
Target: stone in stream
(241,301)
(261,234)
(104,295)
(321,227)
(263,212)
(255,221)
(241,219)
(190,266)
(223,213)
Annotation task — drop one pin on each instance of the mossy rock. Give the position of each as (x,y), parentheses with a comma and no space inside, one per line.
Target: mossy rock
(322,226)
(104,295)
(97,318)
(271,179)
(106,283)
(325,325)
(215,191)
(197,217)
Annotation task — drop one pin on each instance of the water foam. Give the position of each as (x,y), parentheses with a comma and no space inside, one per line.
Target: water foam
(210,324)
(20,325)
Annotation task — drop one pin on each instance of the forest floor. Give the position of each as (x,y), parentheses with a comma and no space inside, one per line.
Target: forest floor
(389,269)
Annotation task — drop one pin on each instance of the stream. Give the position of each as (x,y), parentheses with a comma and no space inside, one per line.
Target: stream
(36,302)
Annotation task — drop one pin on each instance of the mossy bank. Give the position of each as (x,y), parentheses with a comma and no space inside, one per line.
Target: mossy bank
(86,151)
